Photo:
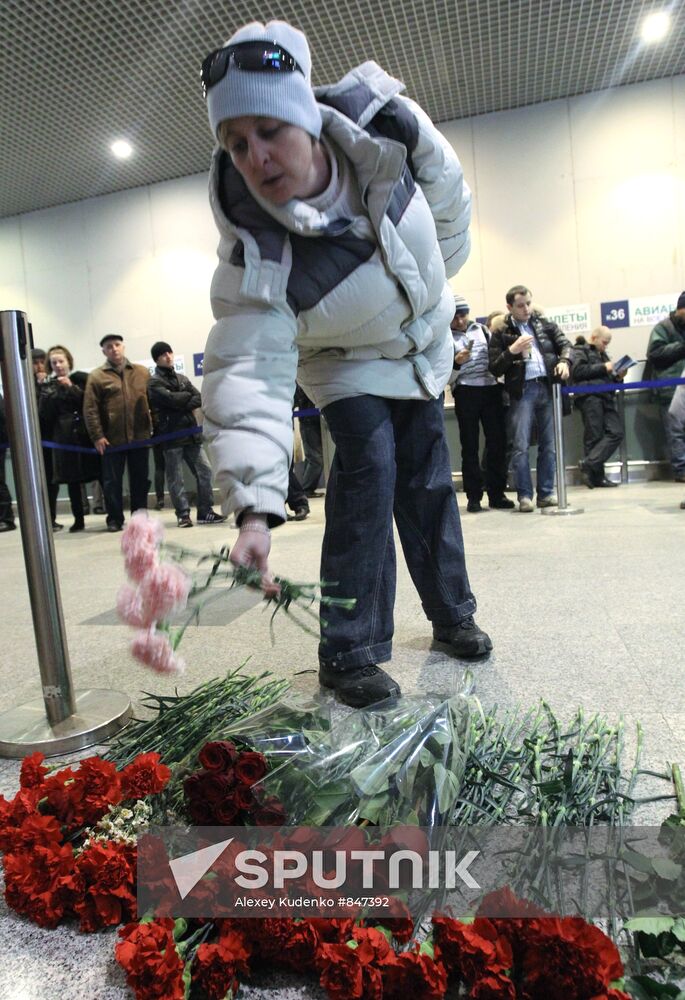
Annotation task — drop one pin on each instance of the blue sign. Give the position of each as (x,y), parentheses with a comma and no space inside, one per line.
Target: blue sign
(198,363)
(615,314)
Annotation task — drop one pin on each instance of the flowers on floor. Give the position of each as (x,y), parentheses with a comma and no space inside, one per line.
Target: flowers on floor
(536,957)
(244,750)
(69,839)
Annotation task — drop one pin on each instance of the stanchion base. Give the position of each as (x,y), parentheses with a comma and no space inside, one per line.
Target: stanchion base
(99,714)
(562,510)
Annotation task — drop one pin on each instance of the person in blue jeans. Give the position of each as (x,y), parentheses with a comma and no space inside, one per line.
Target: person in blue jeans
(341,211)
(173,401)
(529,351)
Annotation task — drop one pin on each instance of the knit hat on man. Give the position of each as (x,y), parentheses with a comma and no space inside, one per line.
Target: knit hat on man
(681,301)
(461,305)
(160,348)
(287,95)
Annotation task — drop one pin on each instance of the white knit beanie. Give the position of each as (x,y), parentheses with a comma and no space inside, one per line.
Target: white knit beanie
(460,304)
(287,96)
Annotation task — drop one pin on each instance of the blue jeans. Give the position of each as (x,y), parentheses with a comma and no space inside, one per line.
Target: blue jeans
(534,406)
(194,457)
(674,425)
(391,458)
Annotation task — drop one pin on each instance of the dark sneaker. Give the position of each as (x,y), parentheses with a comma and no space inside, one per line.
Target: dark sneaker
(210,518)
(184,521)
(114,526)
(474,507)
(78,525)
(159,505)
(464,639)
(606,482)
(361,686)
(299,514)
(99,510)
(587,474)
(7,526)
(501,503)
(56,526)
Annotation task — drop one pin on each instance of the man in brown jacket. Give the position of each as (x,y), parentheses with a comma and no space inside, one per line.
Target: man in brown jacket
(116,412)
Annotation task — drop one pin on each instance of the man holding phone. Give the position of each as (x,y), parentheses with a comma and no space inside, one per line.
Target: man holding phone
(478,402)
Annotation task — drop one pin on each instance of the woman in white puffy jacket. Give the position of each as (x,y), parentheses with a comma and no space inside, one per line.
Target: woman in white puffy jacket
(340,213)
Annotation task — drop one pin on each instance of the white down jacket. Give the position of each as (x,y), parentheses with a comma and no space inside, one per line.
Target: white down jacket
(293,287)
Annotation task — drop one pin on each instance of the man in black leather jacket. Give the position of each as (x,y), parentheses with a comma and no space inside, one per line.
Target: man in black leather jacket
(173,400)
(529,350)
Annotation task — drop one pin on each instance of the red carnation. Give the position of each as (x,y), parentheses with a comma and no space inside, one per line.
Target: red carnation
(32,773)
(568,958)
(302,946)
(146,775)
(108,870)
(148,955)
(34,882)
(342,974)
(216,965)
(413,974)
(471,949)
(219,755)
(250,767)
(493,986)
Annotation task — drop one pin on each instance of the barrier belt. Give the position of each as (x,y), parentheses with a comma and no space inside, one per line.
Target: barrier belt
(583,390)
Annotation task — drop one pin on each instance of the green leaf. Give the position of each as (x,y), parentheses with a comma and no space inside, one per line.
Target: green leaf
(651,925)
(427,949)
(665,868)
(426,758)
(446,787)
(371,779)
(646,988)
(637,861)
(678,930)
(371,808)
(186,979)
(180,927)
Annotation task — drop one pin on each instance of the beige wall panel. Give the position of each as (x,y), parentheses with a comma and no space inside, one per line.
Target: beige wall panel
(13,296)
(126,301)
(59,309)
(526,203)
(183,276)
(626,235)
(119,227)
(625,132)
(678,85)
(181,215)
(469,281)
(54,237)
(11,253)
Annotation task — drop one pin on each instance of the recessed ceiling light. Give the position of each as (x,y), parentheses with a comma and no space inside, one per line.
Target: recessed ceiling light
(655,26)
(122,149)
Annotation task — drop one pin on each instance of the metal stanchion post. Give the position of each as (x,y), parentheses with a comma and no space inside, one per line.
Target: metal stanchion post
(557,410)
(623,447)
(63,720)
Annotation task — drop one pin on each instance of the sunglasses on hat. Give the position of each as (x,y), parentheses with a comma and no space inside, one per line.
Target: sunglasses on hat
(256,57)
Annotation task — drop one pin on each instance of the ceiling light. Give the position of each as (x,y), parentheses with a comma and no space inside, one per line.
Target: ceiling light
(655,26)
(122,149)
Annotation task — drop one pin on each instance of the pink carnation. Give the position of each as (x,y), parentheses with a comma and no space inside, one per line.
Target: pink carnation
(140,562)
(131,609)
(163,590)
(154,650)
(141,530)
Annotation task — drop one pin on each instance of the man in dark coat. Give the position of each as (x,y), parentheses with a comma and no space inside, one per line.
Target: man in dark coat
(529,350)
(602,432)
(173,400)
(6,513)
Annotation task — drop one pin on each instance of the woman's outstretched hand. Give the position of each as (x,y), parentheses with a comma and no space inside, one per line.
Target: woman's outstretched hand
(252,549)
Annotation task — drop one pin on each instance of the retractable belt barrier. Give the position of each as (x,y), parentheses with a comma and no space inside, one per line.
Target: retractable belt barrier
(584,390)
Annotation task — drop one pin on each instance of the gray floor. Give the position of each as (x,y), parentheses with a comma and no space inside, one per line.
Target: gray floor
(583,610)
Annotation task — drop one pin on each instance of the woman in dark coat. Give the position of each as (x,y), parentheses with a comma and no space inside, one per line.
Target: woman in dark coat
(61,414)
